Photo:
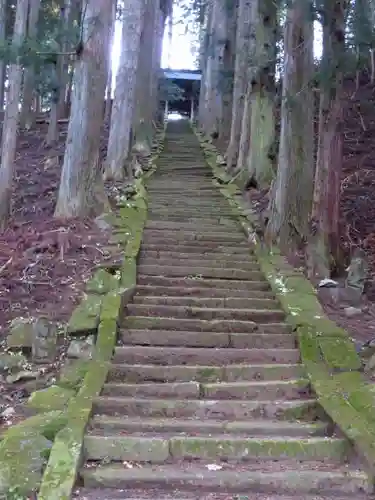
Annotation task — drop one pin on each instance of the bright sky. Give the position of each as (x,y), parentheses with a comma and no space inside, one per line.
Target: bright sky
(181,56)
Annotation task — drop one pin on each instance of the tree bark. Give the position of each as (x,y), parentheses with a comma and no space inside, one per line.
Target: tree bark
(240,79)
(108,99)
(262,157)
(11,118)
(142,121)
(27,114)
(324,247)
(293,190)
(123,104)
(81,190)
(3,23)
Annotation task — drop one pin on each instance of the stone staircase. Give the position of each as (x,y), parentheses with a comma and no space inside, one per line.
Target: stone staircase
(206,398)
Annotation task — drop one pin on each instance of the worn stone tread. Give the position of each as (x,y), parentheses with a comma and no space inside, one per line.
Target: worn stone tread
(253,427)
(214,325)
(190,282)
(123,372)
(207,339)
(196,408)
(210,303)
(204,272)
(206,356)
(203,292)
(206,313)
(314,478)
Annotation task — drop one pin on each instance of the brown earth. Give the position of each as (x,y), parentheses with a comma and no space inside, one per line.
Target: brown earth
(44,262)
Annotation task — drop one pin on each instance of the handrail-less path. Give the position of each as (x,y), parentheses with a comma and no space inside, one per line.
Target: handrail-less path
(206,398)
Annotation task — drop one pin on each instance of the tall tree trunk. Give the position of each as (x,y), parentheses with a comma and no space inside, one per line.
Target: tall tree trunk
(240,78)
(3,23)
(142,121)
(81,190)
(293,190)
(262,154)
(123,104)
(226,68)
(27,115)
(108,99)
(10,124)
(324,245)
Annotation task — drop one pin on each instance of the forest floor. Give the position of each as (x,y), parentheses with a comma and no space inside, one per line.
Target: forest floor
(45,262)
(357,207)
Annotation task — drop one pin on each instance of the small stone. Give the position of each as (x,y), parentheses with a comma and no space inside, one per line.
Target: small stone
(103,282)
(21,333)
(358,270)
(8,412)
(102,224)
(328,283)
(44,345)
(51,398)
(370,365)
(22,375)
(11,362)
(351,312)
(81,348)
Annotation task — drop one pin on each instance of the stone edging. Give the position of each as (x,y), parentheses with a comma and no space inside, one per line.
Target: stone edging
(327,352)
(65,408)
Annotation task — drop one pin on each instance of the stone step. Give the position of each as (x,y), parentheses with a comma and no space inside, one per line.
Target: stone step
(161,225)
(216,284)
(201,292)
(284,476)
(138,373)
(213,235)
(203,408)
(198,325)
(160,449)
(196,262)
(187,270)
(162,355)
(205,313)
(164,494)
(207,339)
(109,425)
(211,249)
(235,261)
(225,302)
(270,390)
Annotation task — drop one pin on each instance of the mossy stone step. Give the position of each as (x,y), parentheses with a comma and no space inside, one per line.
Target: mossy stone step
(207,339)
(203,409)
(199,325)
(212,249)
(202,356)
(197,282)
(201,292)
(110,425)
(230,260)
(185,270)
(196,262)
(138,373)
(270,390)
(194,236)
(206,313)
(210,302)
(315,479)
(160,449)
(162,225)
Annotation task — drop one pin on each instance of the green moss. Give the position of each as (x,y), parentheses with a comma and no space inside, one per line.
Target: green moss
(85,317)
(129,272)
(102,282)
(106,341)
(61,472)
(318,448)
(111,306)
(51,398)
(72,373)
(134,243)
(24,450)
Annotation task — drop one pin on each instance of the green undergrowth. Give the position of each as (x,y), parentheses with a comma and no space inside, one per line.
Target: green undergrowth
(327,352)
(44,451)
